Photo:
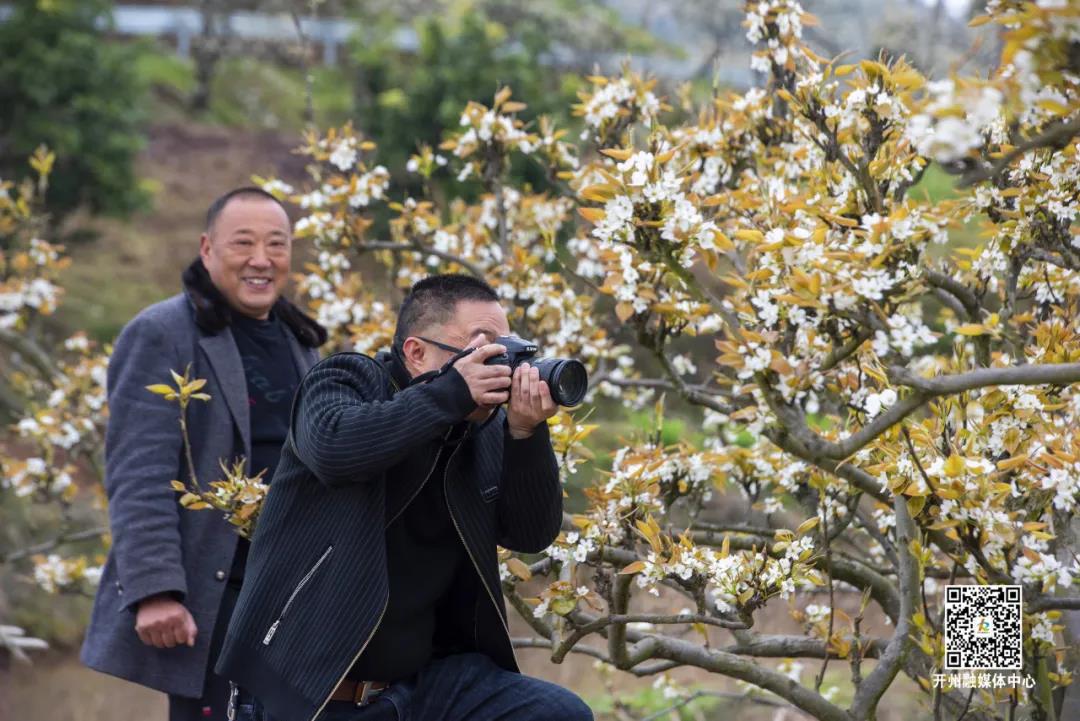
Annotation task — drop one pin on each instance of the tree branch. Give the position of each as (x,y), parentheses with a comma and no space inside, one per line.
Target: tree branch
(83,535)
(924,389)
(728,664)
(1056,135)
(424,250)
(874,685)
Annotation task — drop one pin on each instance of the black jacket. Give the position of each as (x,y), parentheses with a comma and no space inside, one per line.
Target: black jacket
(316,583)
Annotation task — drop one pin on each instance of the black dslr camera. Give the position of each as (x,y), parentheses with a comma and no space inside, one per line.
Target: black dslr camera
(567,378)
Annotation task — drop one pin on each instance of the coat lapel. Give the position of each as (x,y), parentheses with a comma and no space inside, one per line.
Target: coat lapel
(220,348)
(303,356)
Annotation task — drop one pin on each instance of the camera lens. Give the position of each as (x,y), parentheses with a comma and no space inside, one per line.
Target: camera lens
(567,379)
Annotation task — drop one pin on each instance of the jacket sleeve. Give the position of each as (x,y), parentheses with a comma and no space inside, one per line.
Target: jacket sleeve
(530,494)
(344,434)
(142,455)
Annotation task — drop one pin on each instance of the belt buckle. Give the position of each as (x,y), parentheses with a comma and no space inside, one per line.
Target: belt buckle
(234,691)
(365,693)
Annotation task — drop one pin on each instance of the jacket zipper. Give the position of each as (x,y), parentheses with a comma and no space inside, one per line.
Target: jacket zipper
(450,509)
(386,598)
(292,597)
(423,483)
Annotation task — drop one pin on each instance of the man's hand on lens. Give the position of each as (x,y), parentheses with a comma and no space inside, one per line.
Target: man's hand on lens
(489,385)
(164,622)
(530,402)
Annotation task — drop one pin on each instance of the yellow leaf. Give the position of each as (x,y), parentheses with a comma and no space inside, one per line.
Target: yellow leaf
(665,157)
(971,329)
(42,160)
(518,568)
(502,96)
(722,241)
(178,486)
(598,193)
(593,215)
(807,525)
(624,311)
(177,378)
(513,107)
(563,606)
(754,236)
(617,153)
(955,466)
(635,567)
(1053,106)
(1010,463)
(160,388)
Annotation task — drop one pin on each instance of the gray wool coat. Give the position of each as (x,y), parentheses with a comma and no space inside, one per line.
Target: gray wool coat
(157,546)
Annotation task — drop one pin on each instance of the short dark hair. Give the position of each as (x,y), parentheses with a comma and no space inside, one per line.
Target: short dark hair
(433,301)
(247,191)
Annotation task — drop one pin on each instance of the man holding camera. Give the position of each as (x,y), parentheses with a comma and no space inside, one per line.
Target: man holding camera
(372,590)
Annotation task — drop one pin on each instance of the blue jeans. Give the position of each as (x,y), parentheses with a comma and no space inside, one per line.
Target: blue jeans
(463,687)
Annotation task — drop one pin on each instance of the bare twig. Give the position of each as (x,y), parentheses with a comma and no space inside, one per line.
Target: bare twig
(74,537)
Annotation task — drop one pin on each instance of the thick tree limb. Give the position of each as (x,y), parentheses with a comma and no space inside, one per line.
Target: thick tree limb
(877,681)
(728,664)
(924,389)
(1050,603)
(727,696)
(785,646)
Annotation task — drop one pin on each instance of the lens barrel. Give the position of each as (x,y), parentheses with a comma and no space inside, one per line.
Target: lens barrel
(566,377)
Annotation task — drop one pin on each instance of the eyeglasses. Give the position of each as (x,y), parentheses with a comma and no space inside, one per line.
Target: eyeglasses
(442,346)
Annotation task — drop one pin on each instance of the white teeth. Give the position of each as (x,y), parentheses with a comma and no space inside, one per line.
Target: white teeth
(260,282)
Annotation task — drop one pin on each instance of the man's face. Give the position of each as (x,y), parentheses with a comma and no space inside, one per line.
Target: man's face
(248,253)
(475,323)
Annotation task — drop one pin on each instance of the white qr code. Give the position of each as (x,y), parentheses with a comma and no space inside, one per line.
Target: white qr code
(983,627)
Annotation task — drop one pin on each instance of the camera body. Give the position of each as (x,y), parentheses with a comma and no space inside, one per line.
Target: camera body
(518,351)
(566,378)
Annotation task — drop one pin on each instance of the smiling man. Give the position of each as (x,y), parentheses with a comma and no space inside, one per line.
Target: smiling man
(173,576)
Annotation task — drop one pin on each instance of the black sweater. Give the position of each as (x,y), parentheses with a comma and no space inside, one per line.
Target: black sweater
(316,584)
(271,377)
(424,556)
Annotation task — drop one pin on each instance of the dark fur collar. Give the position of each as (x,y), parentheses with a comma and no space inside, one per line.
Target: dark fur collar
(213,314)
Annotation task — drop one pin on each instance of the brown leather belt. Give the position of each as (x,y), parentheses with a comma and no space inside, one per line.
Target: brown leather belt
(357,692)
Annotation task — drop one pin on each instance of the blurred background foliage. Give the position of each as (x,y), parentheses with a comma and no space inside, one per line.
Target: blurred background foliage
(61,85)
(146,135)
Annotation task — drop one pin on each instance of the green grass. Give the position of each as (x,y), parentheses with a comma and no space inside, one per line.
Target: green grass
(165,70)
(935,184)
(245,92)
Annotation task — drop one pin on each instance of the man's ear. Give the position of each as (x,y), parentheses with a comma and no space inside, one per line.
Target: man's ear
(204,247)
(414,352)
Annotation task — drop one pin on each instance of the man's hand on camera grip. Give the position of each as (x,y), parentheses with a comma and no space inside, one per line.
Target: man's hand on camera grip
(489,384)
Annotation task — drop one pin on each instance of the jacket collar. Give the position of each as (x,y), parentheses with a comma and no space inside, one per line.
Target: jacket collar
(213,314)
(395,368)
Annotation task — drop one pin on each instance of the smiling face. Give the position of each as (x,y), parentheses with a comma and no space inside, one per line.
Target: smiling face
(248,253)
(474,323)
